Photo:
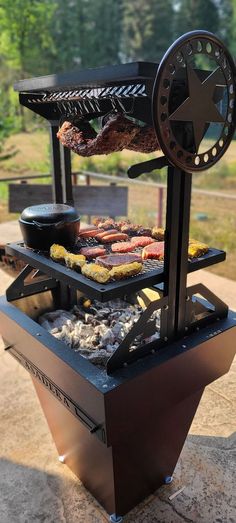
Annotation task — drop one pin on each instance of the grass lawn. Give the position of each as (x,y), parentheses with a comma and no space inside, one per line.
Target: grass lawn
(219,230)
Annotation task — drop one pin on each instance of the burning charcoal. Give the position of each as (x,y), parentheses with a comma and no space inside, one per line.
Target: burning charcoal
(88,318)
(64,335)
(100,329)
(108,337)
(95,340)
(54,331)
(97,330)
(99,357)
(110,348)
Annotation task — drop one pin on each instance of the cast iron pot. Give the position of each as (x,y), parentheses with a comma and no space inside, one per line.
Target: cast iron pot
(43,225)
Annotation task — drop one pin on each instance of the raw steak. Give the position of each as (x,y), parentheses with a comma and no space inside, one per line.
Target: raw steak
(141,241)
(154,251)
(122,247)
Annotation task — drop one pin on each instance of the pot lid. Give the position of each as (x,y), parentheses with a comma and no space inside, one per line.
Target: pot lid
(49,213)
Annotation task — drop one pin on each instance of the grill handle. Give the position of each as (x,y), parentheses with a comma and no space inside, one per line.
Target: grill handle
(45,225)
(147,167)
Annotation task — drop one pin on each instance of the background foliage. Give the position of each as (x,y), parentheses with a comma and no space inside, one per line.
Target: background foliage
(44,36)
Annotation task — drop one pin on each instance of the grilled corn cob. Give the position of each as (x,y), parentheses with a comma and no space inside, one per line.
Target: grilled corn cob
(196,249)
(126,270)
(96,272)
(57,252)
(158,233)
(75,261)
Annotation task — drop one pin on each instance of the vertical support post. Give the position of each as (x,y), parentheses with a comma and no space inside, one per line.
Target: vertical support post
(185,207)
(57,194)
(74,179)
(66,178)
(176,248)
(171,246)
(113,184)
(88,182)
(160,206)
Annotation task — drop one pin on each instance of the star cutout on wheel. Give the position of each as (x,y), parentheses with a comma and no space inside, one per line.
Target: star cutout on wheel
(199,108)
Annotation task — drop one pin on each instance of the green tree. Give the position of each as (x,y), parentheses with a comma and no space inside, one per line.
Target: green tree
(65,52)
(86,33)
(226,21)
(101,38)
(147,29)
(197,14)
(25,27)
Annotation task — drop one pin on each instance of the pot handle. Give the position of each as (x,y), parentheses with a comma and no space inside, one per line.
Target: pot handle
(45,225)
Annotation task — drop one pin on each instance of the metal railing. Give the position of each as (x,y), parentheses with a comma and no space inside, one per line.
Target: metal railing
(114,180)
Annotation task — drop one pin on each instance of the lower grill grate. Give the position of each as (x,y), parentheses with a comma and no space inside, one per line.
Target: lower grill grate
(152,273)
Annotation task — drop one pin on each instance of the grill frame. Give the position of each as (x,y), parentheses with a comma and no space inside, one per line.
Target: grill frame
(132,424)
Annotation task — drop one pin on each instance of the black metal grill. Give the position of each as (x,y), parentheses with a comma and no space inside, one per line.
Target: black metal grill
(142,407)
(156,95)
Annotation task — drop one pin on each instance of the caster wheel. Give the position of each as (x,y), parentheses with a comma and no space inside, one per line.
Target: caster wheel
(115,519)
(168,480)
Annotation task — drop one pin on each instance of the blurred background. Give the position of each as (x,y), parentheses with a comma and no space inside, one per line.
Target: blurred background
(40,37)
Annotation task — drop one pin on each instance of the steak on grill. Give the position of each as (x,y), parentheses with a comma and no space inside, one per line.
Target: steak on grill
(154,251)
(114,237)
(122,247)
(93,252)
(141,241)
(114,260)
(117,134)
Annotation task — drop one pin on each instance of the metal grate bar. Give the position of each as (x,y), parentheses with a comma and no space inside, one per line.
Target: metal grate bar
(123,91)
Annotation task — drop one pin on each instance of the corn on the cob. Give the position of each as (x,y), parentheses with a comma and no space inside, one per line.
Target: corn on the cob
(57,252)
(75,261)
(96,272)
(126,270)
(158,233)
(196,249)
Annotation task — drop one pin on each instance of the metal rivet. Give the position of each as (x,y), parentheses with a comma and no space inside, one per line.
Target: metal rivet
(21,294)
(165,338)
(186,328)
(38,334)
(61,459)
(45,288)
(184,346)
(153,351)
(197,328)
(125,364)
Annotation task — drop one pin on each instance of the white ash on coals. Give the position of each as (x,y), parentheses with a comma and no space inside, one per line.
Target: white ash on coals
(96,331)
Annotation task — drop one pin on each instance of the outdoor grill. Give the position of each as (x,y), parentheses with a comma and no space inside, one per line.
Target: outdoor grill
(121,428)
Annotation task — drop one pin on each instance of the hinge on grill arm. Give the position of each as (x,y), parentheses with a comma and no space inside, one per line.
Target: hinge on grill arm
(146,336)
(32,281)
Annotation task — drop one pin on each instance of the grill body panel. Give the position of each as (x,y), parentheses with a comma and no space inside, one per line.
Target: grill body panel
(128,428)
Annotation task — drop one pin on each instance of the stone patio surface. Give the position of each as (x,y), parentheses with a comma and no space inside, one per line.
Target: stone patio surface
(35,487)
